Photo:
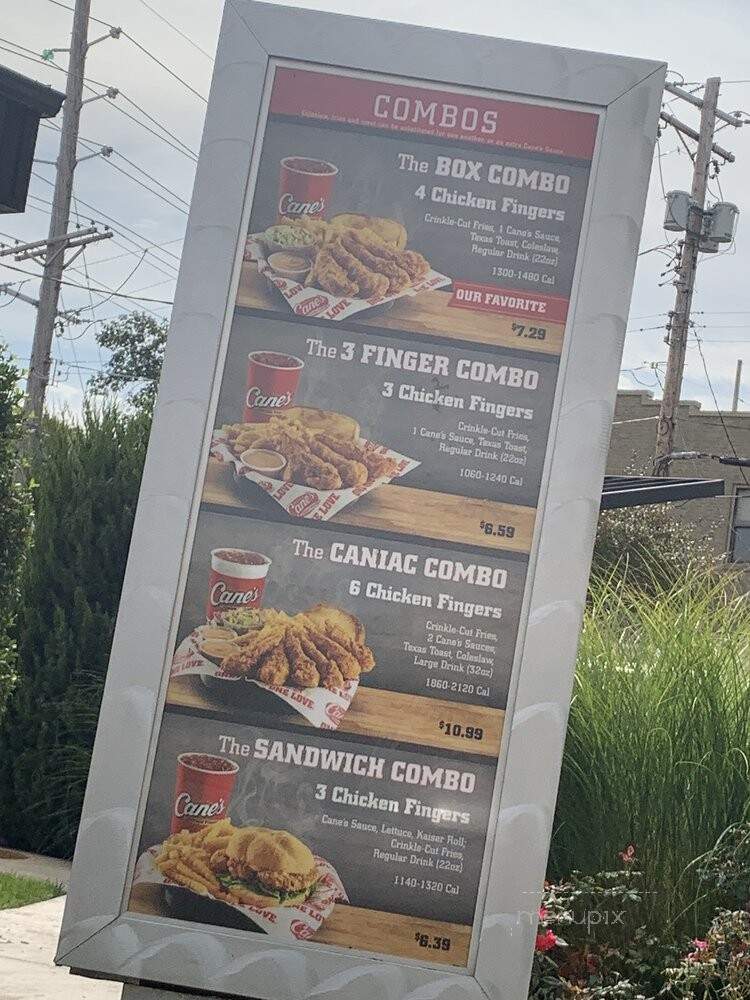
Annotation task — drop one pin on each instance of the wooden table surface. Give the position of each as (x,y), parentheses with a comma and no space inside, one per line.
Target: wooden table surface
(425,313)
(402,510)
(355,927)
(387,715)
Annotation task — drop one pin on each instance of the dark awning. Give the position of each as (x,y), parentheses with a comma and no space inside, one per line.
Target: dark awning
(636,491)
(23,103)
(37,97)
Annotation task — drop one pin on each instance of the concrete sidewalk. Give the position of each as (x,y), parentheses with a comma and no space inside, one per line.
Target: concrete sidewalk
(35,866)
(28,937)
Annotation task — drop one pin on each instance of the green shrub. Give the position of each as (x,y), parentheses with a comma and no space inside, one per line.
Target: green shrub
(589,944)
(717,967)
(87,484)
(14,519)
(649,546)
(657,747)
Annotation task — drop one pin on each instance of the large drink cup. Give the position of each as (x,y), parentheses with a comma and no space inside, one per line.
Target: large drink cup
(203,790)
(305,187)
(272,381)
(237,580)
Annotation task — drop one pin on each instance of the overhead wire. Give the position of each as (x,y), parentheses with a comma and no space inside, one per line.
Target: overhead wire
(118,225)
(76,284)
(93,144)
(173,141)
(164,66)
(142,48)
(718,409)
(174,27)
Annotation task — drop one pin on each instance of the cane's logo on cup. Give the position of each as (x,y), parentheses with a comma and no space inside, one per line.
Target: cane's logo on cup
(203,789)
(305,187)
(222,597)
(272,380)
(256,400)
(289,207)
(184,806)
(237,580)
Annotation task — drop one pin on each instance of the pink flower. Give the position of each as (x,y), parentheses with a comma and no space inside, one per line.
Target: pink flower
(699,946)
(546,941)
(542,913)
(628,855)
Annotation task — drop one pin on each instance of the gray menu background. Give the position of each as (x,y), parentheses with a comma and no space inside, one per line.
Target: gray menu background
(294,584)
(281,796)
(370,182)
(356,389)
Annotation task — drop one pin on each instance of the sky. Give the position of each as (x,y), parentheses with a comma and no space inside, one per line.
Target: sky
(697,40)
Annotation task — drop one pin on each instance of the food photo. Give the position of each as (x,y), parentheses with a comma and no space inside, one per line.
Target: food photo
(303,625)
(303,836)
(310,662)
(312,462)
(211,870)
(338,266)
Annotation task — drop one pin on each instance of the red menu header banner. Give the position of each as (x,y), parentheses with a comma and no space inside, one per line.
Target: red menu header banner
(444,114)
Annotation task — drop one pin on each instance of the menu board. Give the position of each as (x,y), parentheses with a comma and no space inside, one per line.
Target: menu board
(339,686)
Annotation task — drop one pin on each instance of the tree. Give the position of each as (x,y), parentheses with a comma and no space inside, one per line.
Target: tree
(87,478)
(15,512)
(136,343)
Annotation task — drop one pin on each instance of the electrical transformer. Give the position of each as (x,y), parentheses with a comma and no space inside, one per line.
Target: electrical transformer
(723,224)
(677,211)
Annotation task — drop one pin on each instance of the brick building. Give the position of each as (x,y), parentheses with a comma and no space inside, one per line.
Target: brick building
(726,519)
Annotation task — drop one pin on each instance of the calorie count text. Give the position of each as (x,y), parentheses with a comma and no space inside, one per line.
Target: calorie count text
(469,653)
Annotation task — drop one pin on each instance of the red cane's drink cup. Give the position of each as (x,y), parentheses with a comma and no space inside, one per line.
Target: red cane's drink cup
(202,790)
(237,580)
(272,380)
(305,187)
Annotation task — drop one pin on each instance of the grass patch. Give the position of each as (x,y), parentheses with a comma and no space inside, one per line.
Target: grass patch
(658,741)
(20,890)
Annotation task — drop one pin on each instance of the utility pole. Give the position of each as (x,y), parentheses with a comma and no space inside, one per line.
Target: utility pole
(54,261)
(680,318)
(737,382)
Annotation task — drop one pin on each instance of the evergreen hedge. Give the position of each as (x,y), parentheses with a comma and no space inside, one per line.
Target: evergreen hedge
(14,520)
(86,476)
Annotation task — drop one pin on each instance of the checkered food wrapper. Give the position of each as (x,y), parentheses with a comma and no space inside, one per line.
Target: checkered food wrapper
(305,501)
(300,922)
(306,300)
(320,706)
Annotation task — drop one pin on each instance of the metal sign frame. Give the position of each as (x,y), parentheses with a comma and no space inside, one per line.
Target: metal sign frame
(98,937)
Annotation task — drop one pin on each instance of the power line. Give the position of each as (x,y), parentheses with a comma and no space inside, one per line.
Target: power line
(142,48)
(97,144)
(129,253)
(166,68)
(145,173)
(718,410)
(65,6)
(120,225)
(176,143)
(145,186)
(86,288)
(179,32)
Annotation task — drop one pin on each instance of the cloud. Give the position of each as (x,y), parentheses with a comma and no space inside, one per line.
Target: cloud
(639,27)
